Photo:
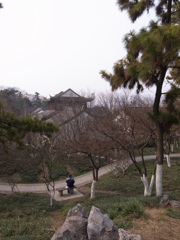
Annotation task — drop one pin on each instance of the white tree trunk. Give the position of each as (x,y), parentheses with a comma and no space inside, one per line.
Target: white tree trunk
(151,184)
(116,172)
(147,187)
(93,189)
(168,160)
(51,191)
(172,147)
(159,186)
(51,200)
(51,194)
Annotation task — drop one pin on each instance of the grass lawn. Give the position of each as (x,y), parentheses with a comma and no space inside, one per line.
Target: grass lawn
(28,216)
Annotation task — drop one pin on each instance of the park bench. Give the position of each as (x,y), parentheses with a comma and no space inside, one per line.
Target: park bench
(61,190)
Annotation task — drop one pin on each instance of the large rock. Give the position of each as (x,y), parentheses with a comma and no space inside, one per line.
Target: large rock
(97,227)
(165,201)
(124,235)
(100,226)
(74,227)
(175,204)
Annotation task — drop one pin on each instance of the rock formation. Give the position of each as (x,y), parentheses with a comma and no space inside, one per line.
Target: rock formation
(165,202)
(97,226)
(100,226)
(74,227)
(124,235)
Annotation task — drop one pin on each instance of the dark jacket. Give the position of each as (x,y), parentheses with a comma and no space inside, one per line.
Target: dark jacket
(70,182)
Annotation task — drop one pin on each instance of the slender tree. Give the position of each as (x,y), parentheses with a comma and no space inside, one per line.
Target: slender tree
(46,150)
(129,131)
(80,136)
(151,54)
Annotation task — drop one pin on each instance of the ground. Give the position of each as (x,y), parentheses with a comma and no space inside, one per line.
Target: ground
(57,219)
(157,226)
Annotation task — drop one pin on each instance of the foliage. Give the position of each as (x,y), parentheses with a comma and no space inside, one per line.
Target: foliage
(14,129)
(123,212)
(152,59)
(26,216)
(145,53)
(18,166)
(32,211)
(76,164)
(37,100)
(125,186)
(15,121)
(173,213)
(29,175)
(19,103)
(16,102)
(132,209)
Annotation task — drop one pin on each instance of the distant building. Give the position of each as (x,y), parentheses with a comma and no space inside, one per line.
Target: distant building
(63,107)
(69,98)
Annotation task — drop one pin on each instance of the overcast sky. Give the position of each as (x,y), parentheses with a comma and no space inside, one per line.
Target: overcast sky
(50,46)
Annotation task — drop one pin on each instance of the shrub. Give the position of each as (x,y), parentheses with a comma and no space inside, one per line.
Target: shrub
(173,213)
(113,211)
(133,209)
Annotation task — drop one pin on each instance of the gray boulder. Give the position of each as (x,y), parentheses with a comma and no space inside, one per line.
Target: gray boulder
(165,201)
(124,235)
(100,226)
(175,204)
(74,227)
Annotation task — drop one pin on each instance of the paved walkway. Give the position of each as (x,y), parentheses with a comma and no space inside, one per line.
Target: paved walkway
(80,181)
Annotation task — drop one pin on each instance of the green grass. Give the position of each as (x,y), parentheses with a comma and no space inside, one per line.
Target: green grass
(122,198)
(174,213)
(28,216)
(132,208)
(130,184)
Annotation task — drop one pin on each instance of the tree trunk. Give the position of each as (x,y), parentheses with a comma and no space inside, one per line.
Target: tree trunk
(147,187)
(51,200)
(51,194)
(97,174)
(93,172)
(93,189)
(172,147)
(51,191)
(159,131)
(159,173)
(160,157)
(168,160)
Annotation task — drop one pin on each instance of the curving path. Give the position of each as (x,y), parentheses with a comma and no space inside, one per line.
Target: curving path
(80,180)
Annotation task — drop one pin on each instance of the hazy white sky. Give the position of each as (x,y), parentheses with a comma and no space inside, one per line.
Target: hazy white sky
(50,46)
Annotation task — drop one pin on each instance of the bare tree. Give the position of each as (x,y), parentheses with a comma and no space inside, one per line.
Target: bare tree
(129,129)
(79,136)
(46,149)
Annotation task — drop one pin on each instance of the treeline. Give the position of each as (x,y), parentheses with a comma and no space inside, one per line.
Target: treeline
(19,103)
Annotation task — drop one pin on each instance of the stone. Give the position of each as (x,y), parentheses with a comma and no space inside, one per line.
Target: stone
(164,201)
(100,226)
(74,227)
(97,226)
(124,235)
(175,204)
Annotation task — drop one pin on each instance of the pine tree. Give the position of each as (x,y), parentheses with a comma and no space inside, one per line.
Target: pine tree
(14,129)
(151,55)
